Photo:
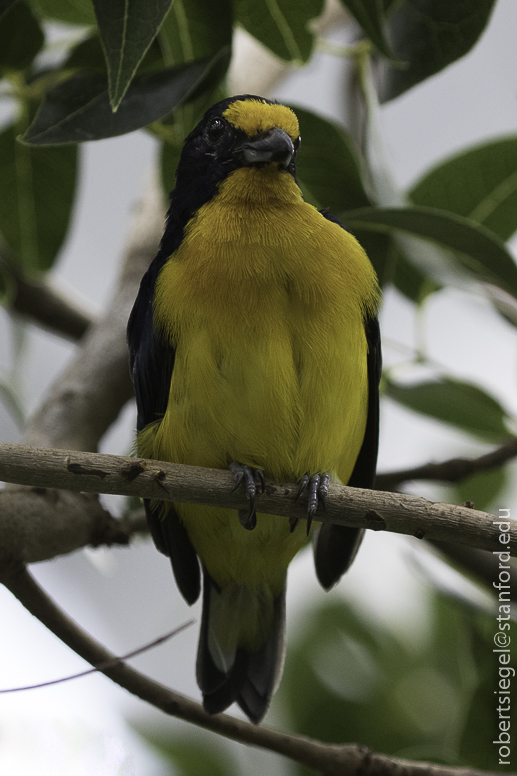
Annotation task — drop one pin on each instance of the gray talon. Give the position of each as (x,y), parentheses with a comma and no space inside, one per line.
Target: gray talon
(247,474)
(318,486)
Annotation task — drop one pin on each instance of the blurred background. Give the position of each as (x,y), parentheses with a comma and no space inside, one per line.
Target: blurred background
(394,657)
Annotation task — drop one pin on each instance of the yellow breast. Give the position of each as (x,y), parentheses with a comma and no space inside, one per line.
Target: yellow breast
(264,303)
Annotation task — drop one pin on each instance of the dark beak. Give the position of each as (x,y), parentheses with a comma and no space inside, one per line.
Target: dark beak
(275,145)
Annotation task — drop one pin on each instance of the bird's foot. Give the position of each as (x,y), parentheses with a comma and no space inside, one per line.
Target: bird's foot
(250,476)
(318,487)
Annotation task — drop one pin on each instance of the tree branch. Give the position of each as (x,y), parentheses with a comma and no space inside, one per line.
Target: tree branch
(86,399)
(41,304)
(453,470)
(379,511)
(330,759)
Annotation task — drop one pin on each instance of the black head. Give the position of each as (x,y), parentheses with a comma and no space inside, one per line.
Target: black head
(241,131)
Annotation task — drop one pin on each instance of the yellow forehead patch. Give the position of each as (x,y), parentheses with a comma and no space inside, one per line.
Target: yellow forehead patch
(254,117)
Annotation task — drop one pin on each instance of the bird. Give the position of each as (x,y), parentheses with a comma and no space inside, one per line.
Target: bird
(254,345)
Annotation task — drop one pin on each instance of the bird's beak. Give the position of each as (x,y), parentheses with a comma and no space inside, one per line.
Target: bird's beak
(275,145)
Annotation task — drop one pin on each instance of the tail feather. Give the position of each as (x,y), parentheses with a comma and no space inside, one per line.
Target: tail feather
(335,548)
(229,667)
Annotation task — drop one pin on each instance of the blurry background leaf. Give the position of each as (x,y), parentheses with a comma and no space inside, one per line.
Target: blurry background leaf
(410,280)
(428,35)
(70,11)
(362,684)
(329,167)
(78,109)
(477,250)
(127,29)
(483,489)
(21,37)
(195,29)
(192,755)
(5,4)
(37,189)
(281,25)
(370,15)
(481,716)
(480,183)
(458,403)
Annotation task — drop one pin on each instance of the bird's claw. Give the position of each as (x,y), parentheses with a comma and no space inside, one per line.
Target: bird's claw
(318,487)
(248,475)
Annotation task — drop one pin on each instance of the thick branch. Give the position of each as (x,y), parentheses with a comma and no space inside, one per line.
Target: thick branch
(379,511)
(86,399)
(453,470)
(330,759)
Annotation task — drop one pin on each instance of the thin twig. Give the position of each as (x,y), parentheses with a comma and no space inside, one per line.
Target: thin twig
(330,759)
(107,664)
(453,470)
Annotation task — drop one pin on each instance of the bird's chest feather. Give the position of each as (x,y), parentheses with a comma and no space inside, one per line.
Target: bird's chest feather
(263,308)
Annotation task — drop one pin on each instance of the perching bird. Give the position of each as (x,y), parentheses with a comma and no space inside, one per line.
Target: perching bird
(254,345)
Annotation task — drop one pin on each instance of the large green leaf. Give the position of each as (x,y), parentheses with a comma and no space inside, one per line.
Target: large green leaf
(428,35)
(194,29)
(480,183)
(127,29)
(477,250)
(458,403)
(21,37)
(70,11)
(329,167)
(281,25)
(370,15)
(37,187)
(78,109)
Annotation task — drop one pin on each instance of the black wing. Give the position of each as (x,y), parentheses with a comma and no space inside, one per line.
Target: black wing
(151,364)
(337,545)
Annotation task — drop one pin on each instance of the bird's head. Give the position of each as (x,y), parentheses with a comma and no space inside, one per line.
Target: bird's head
(245,131)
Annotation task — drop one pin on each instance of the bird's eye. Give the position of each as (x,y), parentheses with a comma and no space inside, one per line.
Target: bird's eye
(215,130)
(297,143)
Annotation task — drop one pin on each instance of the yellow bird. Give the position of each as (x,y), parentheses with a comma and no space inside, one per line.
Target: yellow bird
(254,345)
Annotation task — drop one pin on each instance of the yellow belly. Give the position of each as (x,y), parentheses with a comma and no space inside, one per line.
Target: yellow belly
(265,310)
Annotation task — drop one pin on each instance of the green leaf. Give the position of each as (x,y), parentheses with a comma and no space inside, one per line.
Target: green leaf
(195,29)
(479,252)
(78,109)
(5,4)
(21,37)
(480,183)
(281,25)
(370,15)
(89,55)
(68,11)
(86,55)
(127,29)
(37,189)
(428,35)
(329,167)
(458,403)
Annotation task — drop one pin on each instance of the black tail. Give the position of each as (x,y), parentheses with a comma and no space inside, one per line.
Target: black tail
(229,667)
